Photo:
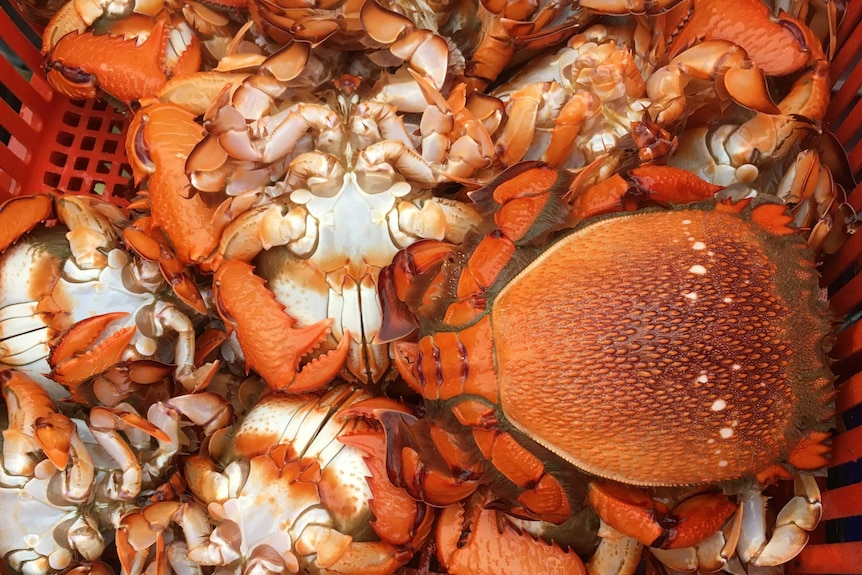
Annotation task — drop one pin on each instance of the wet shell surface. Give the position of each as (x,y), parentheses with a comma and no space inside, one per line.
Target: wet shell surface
(687,346)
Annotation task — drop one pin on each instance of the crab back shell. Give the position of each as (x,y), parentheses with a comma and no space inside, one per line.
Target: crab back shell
(666,347)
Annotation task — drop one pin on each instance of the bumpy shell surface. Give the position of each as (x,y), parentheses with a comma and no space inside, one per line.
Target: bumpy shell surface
(667,347)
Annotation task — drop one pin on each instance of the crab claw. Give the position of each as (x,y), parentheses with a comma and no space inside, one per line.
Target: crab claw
(647,184)
(473,539)
(634,513)
(21,214)
(159,141)
(272,346)
(400,519)
(73,361)
(144,242)
(54,435)
(104,425)
(439,482)
(124,67)
(32,415)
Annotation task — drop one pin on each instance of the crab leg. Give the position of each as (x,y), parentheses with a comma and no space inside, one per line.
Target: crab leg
(790,534)
(426,52)
(167,316)
(92,228)
(104,425)
(617,554)
(141,530)
(35,424)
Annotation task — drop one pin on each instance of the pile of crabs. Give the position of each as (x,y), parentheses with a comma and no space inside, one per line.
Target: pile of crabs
(428,287)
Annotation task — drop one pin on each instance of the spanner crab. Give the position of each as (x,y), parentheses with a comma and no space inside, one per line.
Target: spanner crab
(589,91)
(62,478)
(712,377)
(299,484)
(784,62)
(79,308)
(575,103)
(323,193)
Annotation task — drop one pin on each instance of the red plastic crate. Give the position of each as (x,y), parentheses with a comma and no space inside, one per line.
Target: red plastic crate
(48,142)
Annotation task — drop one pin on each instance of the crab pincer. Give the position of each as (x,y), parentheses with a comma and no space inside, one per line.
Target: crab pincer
(266,333)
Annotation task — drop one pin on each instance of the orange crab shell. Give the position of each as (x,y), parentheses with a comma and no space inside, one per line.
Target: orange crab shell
(695,335)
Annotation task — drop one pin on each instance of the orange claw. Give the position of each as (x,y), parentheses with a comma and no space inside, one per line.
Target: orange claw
(272,346)
(160,139)
(54,435)
(494,546)
(20,214)
(206,343)
(31,411)
(71,369)
(108,418)
(435,484)
(150,244)
(82,62)
(82,335)
(634,513)
(399,519)
(656,184)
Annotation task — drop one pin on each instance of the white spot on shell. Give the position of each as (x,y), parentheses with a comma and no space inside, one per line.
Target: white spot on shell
(686,222)
(735,367)
(690,295)
(697,269)
(698,246)
(702,378)
(710,441)
(725,432)
(718,405)
(722,463)
(727,300)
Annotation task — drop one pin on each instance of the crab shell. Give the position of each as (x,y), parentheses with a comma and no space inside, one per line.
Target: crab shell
(697,358)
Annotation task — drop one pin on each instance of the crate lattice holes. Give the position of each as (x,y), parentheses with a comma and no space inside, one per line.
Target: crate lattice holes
(48,143)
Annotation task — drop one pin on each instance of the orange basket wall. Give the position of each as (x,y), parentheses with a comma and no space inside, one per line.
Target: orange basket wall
(48,142)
